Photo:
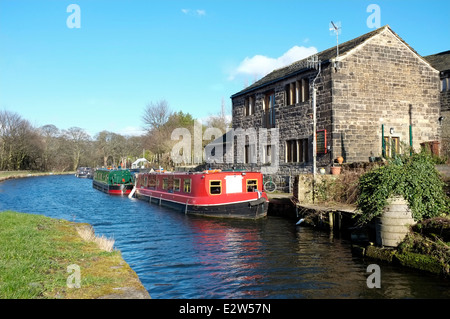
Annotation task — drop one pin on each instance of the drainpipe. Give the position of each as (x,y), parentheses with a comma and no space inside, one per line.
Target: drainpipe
(410,131)
(318,63)
(314,133)
(383,145)
(410,140)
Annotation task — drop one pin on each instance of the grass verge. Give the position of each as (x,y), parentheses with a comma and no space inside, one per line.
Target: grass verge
(5,175)
(37,255)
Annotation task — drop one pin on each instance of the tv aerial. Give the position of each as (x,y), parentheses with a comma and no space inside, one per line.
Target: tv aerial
(336,28)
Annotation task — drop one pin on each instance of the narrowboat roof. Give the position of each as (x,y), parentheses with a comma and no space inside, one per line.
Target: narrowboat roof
(202,172)
(114,171)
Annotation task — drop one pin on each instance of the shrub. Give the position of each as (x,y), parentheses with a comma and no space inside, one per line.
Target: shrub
(413,177)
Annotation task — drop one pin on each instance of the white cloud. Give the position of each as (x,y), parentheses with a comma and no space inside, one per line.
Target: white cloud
(131,131)
(198,12)
(260,65)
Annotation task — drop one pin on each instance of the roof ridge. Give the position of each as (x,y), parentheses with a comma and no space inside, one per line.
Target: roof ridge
(327,54)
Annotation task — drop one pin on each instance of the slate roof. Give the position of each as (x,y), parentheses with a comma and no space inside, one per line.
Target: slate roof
(439,61)
(324,56)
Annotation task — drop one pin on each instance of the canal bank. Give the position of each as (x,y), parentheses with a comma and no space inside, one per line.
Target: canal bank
(6,175)
(425,248)
(76,265)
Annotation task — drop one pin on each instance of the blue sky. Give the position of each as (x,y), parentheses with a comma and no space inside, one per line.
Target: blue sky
(194,54)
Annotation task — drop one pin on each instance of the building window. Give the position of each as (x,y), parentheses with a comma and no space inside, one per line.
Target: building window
(296,151)
(291,93)
(269,110)
(267,155)
(297,92)
(249,154)
(305,90)
(215,187)
(187,185)
(249,108)
(444,85)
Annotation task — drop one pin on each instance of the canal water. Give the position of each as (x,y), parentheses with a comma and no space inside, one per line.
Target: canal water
(178,256)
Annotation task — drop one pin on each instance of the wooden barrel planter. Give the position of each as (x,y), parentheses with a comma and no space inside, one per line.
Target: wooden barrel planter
(393,225)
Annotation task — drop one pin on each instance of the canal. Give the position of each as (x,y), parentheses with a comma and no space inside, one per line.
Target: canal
(178,256)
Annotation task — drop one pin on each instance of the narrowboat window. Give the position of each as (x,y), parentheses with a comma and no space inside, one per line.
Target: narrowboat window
(187,185)
(152,182)
(252,185)
(215,187)
(176,184)
(165,184)
(170,185)
(145,181)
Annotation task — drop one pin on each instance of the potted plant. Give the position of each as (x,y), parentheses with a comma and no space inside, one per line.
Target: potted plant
(335,170)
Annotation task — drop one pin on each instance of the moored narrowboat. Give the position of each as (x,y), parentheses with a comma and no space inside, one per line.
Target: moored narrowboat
(208,193)
(115,182)
(84,172)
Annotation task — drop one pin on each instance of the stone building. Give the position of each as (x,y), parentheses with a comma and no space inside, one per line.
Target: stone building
(376,98)
(441,62)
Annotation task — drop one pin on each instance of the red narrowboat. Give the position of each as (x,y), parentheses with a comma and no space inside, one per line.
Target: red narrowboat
(211,193)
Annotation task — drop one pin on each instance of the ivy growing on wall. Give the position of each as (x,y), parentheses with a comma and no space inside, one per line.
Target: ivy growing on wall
(414,177)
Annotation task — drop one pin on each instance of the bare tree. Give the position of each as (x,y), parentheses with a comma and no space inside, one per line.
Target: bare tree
(78,140)
(156,114)
(220,120)
(20,145)
(50,134)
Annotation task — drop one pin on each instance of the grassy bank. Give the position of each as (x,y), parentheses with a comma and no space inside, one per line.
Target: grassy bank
(5,175)
(36,251)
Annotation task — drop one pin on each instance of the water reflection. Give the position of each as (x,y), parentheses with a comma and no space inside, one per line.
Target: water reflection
(178,256)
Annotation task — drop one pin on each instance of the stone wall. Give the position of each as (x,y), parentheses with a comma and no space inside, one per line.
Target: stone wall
(445,124)
(383,82)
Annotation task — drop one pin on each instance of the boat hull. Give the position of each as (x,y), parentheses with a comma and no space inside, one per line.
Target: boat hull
(123,189)
(253,209)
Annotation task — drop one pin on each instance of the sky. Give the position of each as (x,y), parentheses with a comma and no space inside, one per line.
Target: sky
(98,64)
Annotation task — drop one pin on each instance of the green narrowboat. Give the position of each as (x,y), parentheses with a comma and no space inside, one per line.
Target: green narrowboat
(115,182)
